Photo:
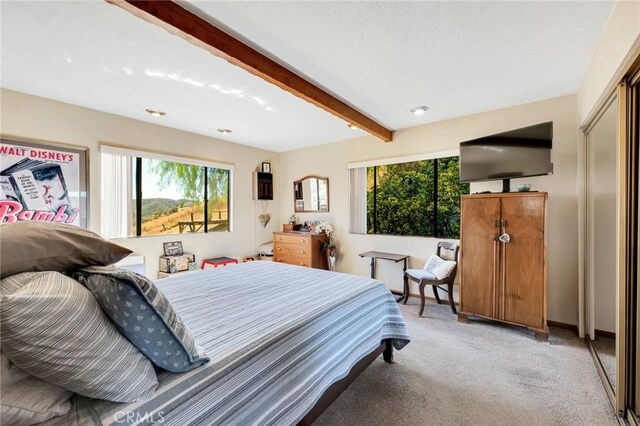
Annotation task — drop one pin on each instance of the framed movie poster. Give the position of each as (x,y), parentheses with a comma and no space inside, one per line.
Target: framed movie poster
(43,182)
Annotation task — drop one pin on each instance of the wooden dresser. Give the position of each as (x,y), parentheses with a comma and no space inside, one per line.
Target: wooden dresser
(300,248)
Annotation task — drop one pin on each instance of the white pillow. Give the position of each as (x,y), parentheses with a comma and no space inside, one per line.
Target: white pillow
(439,267)
(26,399)
(447,254)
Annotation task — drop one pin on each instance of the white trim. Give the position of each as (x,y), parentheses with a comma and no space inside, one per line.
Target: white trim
(404,159)
(117,150)
(230,208)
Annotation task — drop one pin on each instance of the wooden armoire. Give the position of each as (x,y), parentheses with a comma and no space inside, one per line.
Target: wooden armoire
(503,259)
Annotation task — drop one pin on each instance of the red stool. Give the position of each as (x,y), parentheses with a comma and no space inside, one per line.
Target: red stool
(218,261)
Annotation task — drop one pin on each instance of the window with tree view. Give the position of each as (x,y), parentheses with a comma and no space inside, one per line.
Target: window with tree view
(157,196)
(420,198)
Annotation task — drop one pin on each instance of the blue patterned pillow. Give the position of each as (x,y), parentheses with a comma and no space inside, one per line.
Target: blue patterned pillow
(144,316)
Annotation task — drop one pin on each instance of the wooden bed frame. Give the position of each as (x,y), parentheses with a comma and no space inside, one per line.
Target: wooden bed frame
(334,391)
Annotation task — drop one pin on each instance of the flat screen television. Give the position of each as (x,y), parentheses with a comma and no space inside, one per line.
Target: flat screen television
(514,154)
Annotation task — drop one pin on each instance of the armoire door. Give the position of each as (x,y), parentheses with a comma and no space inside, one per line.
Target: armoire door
(479,217)
(522,281)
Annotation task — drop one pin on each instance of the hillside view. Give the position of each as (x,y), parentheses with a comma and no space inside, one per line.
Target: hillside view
(153,208)
(168,216)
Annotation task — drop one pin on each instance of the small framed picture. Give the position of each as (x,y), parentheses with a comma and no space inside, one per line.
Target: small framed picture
(266,167)
(173,248)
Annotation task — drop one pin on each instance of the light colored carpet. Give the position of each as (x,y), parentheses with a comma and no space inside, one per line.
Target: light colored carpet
(481,373)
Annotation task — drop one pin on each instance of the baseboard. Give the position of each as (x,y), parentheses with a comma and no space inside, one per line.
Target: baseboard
(563,325)
(557,324)
(605,334)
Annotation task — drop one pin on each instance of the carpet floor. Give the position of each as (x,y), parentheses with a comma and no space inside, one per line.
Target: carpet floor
(482,373)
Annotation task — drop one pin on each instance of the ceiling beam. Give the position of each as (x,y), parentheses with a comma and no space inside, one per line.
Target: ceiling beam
(179,21)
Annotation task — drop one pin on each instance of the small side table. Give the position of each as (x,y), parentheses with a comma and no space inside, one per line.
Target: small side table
(218,261)
(388,256)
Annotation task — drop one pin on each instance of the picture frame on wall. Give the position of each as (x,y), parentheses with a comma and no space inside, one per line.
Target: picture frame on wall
(44,181)
(266,167)
(173,248)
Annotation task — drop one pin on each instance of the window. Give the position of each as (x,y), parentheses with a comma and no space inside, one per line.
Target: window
(412,198)
(147,194)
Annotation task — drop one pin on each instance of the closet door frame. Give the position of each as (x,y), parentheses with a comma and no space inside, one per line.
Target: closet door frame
(588,267)
(586,224)
(628,335)
(621,252)
(629,287)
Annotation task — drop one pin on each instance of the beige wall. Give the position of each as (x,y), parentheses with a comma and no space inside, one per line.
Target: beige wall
(331,160)
(26,116)
(620,35)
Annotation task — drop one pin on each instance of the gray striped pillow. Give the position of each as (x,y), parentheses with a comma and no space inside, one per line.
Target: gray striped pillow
(53,328)
(27,400)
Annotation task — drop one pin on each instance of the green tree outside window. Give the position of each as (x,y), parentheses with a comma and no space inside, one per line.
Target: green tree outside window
(420,198)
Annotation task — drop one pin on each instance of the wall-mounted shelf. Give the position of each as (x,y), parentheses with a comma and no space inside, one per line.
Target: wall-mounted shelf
(262,186)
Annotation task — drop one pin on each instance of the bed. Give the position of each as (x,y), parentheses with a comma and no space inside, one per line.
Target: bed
(284,341)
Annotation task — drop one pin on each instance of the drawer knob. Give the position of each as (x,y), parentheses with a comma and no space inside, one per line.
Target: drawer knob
(279,248)
(279,260)
(302,251)
(303,240)
(302,263)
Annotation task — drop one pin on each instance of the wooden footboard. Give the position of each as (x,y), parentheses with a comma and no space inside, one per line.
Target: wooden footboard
(334,391)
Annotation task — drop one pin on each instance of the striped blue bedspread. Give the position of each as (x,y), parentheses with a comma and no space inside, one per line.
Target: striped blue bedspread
(278,337)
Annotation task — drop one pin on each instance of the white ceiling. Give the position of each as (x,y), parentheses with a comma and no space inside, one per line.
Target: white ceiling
(381,57)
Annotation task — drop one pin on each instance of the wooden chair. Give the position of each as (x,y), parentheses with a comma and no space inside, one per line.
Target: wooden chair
(424,278)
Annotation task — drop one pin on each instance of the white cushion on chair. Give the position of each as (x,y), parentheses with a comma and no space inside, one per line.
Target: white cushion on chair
(420,274)
(439,267)
(447,254)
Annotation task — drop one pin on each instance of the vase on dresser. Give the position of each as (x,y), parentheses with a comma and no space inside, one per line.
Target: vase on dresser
(331,251)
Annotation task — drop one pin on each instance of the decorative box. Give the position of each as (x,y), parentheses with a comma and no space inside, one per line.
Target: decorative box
(173,264)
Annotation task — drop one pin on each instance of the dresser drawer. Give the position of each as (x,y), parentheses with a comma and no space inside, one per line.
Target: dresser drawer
(292,239)
(293,260)
(289,249)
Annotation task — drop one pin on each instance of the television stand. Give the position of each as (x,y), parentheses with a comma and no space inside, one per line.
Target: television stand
(506,185)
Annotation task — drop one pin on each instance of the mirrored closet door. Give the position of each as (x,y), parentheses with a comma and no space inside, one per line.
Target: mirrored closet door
(601,239)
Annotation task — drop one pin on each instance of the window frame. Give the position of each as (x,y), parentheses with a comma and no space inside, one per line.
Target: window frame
(136,156)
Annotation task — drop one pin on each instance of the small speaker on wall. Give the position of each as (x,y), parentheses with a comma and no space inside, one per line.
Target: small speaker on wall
(262,186)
